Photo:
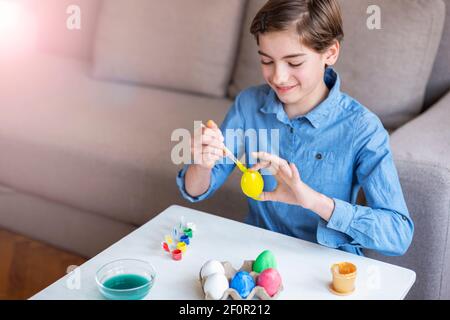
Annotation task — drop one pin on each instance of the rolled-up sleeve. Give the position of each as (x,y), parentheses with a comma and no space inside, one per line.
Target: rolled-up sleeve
(233,121)
(384,224)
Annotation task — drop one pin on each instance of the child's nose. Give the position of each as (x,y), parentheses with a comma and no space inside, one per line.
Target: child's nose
(281,76)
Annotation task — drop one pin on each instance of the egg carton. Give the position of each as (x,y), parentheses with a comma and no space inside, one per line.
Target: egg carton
(257,292)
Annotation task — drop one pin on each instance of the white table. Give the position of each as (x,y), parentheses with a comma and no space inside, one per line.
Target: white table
(304,266)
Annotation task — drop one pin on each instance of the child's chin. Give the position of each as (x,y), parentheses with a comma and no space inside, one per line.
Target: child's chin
(289,99)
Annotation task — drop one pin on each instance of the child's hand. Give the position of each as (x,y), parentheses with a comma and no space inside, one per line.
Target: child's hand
(290,188)
(207,146)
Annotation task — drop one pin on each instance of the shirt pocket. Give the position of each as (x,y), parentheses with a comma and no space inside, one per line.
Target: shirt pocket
(318,167)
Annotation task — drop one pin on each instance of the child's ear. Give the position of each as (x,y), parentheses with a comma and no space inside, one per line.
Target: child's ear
(332,54)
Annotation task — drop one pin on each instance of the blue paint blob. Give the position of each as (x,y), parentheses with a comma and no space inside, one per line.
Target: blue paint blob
(184,238)
(243,283)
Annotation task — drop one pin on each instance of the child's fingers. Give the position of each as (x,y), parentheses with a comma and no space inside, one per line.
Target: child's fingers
(211,128)
(205,139)
(276,163)
(213,133)
(212,150)
(295,173)
(198,151)
(285,176)
(212,136)
(285,170)
(267,196)
(211,141)
(209,159)
(267,157)
(260,165)
(211,124)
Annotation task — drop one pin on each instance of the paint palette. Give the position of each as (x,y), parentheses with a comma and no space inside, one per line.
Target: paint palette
(177,243)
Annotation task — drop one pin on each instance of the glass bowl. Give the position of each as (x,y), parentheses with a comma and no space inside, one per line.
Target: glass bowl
(125,279)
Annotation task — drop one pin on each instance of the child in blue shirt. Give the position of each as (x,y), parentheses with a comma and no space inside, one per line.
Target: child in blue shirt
(328,145)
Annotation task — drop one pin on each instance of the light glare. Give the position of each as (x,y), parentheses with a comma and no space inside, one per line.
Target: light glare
(9,17)
(17,28)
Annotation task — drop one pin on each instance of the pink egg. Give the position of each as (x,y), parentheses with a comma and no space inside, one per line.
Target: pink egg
(270,280)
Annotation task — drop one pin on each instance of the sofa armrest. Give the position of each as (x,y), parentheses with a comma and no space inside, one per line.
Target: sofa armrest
(426,139)
(422,155)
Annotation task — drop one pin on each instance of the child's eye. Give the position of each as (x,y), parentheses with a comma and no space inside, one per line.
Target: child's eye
(266,63)
(295,65)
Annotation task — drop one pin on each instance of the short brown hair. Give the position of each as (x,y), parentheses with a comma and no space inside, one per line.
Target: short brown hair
(318,22)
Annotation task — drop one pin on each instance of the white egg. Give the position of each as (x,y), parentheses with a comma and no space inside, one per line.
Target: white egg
(215,285)
(211,267)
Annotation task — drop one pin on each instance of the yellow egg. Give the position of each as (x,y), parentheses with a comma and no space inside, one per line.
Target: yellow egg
(252,184)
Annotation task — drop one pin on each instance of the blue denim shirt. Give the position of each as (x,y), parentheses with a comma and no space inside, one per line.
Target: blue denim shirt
(338,147)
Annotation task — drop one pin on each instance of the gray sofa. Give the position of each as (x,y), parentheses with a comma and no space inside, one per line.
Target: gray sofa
(86,120)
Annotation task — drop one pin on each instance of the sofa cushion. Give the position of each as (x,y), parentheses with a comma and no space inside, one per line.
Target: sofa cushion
(387,70)
(176,44)
(96,146)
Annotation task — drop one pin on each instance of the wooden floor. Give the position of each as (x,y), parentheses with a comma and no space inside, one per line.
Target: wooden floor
(28,266)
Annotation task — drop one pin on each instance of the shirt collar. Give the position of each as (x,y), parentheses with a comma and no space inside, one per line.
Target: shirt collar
(316,116)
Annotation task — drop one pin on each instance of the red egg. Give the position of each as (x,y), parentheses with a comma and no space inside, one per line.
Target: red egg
(270,280)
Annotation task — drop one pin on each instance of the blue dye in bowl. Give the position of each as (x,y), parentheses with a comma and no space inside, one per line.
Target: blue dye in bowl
(126,279)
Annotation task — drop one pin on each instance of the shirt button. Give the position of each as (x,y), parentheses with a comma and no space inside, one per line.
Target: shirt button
(319,156)
(404,218)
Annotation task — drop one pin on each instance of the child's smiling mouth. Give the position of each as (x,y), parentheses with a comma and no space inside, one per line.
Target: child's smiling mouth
(285,89)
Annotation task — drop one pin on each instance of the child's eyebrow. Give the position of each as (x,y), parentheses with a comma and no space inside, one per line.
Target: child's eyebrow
(286,57)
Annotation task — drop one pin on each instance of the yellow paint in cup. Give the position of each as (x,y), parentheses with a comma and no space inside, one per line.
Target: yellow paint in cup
(181,246)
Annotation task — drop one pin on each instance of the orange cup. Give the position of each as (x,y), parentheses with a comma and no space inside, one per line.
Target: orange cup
(344,276)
